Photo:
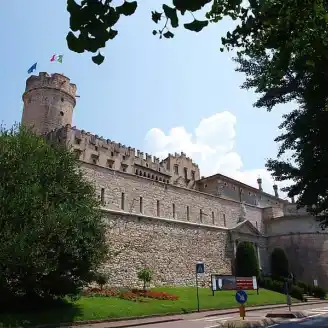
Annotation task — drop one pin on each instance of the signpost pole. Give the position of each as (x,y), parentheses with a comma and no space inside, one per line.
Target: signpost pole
(197,291)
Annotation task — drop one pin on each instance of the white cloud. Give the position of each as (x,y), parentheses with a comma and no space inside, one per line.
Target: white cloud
(211,146)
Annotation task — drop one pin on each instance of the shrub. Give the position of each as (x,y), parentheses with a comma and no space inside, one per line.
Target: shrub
(296,292)
(101,279)
(318,292)
(246,260)
(145,275)
(52,234)
(308,289)
(279,264)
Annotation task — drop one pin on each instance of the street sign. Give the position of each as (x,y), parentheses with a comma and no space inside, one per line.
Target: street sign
(200,267)
(241,297)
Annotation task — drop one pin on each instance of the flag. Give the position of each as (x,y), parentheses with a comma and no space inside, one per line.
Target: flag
(58,58)
(32,68)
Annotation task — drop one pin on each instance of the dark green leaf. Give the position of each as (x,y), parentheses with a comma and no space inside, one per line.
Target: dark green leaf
(98,59)
(196,25)
(127,8)
(154,32)
(171,14)
(155,16)
(112,33)
(168,35)
(74,43)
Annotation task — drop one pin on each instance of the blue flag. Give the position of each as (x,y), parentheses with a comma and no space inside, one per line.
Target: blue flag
(32,68)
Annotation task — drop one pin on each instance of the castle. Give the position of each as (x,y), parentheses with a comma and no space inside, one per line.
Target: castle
(162,214)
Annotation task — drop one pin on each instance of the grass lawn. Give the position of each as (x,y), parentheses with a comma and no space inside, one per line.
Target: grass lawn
(93,308)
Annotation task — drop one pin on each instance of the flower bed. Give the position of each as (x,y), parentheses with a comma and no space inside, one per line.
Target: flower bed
(132,295)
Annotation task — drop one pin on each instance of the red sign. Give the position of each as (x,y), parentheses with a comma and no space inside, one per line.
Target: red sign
(245,283)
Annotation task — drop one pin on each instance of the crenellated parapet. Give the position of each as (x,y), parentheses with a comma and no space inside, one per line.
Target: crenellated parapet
(50,81)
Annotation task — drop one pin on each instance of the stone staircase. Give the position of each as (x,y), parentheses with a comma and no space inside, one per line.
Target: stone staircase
(309,298)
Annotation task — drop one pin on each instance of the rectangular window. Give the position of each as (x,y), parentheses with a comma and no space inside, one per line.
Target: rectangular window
(201,215)
(224,220)
(158,209)
(213,218)
(102,196)
(173,210)
(141,205)
(193,175)
(185,170)
(122,201)
(176,169)
(188,213)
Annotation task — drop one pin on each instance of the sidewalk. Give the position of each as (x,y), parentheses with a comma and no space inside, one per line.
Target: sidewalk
(134,322)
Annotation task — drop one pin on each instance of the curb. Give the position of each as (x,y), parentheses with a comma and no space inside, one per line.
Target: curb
(228,311)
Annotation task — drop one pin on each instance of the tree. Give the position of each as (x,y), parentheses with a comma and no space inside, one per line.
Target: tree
(279,264)
(246,260)
(52,234)
(146,276)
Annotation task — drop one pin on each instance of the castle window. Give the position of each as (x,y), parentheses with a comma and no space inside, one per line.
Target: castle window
(123,157)
(249,193)
(176,169)
(140,173)
(193,175)
(152,176)
(122,201)
(61,113)
(136,171)
(145,174)
(188,214)
(213,218)
(205,185)
(110,163)
(185,170)
(148,176)
(256,224)
(124,167)
(141,205)
(147,165)
(96,147)
(94,158)
(158,208)
(224,220)
(160,179)
(201,215)
(111,153)
(77,141)
(159,169)
(167,181)
(156,178)
(102,196)
(173,210)
(62,99)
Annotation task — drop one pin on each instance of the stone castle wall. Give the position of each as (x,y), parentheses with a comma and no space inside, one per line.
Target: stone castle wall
(307,255)
(133,194)
(170,248)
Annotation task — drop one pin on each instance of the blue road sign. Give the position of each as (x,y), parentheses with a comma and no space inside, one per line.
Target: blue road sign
(200,267)
(241,297)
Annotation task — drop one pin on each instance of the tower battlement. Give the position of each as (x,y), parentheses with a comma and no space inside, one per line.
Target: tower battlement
(54,81)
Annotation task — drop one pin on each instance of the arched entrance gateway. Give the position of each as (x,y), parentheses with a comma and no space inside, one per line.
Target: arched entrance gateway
(246,231)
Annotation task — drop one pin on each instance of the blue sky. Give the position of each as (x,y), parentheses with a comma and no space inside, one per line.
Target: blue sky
(144,83)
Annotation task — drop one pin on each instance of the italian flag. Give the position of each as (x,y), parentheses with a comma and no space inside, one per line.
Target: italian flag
(58,58)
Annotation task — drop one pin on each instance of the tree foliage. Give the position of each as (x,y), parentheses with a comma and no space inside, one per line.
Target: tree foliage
(146,276)
(52,234)
(246,260)
(279,264)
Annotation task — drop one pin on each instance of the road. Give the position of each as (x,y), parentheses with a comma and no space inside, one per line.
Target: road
(318,317)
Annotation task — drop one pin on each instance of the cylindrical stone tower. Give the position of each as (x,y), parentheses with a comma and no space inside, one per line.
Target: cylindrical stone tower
(49,101)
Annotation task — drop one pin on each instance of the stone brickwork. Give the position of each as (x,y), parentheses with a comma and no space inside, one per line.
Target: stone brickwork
(307,255)
(170,248)
(163,200)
